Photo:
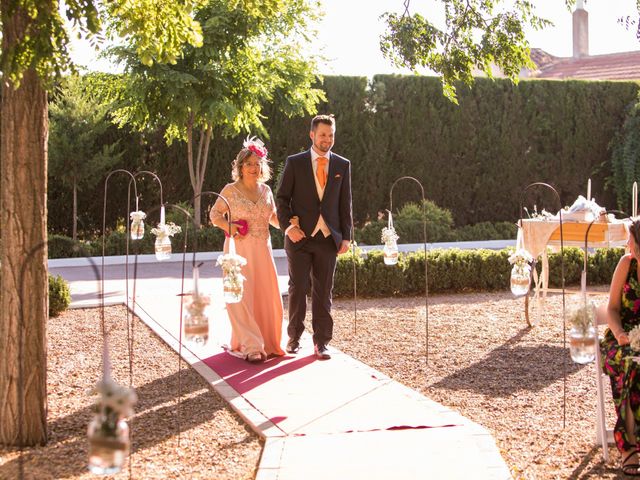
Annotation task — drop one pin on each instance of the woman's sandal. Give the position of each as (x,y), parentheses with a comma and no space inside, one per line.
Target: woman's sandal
(630,469)
(254,357)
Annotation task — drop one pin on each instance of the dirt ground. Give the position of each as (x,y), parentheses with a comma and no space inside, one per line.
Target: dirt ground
(483,361)
(488,365)
(214,442)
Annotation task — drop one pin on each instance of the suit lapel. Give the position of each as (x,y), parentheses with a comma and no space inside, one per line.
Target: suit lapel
(309,174)
(333,170)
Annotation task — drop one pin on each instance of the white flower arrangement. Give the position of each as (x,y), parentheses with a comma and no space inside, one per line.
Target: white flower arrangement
(231,263)
(166,229)
(137,216)
(114,399)
(520,257)
(389,235)
(634,338)
(197,304)
(542,215)
(582,318)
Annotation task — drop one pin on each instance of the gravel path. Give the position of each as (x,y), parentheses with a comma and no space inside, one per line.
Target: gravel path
(483,362)
(215,443)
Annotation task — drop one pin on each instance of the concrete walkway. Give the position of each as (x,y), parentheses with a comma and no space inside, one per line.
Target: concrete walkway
(335,419)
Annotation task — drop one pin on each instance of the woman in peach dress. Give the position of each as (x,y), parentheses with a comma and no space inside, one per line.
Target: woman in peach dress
(256,321)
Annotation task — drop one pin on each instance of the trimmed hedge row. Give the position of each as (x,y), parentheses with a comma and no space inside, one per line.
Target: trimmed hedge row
(210,239)
(473,159)
(455,270)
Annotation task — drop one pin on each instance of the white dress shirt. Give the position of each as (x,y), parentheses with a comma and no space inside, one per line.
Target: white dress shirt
(321,225)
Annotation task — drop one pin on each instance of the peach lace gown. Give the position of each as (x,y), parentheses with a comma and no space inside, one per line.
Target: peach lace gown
(256,321)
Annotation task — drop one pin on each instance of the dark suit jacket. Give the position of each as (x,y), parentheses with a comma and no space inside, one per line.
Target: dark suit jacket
(297,195)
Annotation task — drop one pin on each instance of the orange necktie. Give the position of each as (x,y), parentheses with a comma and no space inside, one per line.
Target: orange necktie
(321,172)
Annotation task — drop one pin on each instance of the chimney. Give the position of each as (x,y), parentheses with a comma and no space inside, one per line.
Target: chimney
(580,31)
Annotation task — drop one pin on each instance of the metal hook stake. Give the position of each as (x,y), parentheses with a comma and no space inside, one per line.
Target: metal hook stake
(426,278)
(564,315)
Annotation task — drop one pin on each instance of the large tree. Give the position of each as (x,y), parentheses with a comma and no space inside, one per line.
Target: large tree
(252,53)
(34,54)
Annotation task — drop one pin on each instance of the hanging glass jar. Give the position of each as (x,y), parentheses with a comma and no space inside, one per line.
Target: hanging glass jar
(163,247)
(582,336)
(163,233)
(521,271)
(520,279)
(390,239)
(137,224)
(108,443)
(195,321)
(108,431)
(232,278)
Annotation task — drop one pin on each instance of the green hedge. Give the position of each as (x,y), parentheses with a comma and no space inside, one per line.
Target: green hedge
(210,239)
(473,159)
(455,270)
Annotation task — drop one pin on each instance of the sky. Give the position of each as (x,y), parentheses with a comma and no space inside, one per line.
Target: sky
(348,35)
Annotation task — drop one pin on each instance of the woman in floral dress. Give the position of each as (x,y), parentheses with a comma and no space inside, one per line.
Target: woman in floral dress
(256,321)
(623,313)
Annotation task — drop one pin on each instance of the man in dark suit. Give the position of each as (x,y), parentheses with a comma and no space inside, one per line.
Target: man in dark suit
(314,211)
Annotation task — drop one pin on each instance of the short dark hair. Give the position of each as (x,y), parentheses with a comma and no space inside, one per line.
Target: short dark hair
(326,119)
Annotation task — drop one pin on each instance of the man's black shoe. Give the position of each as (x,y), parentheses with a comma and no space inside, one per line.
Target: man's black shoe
(322,352)
(293,345)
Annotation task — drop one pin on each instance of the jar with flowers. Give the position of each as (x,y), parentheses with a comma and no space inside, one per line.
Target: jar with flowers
(108,431)
(520,272)
(389,239)
(582,336)
(232,278)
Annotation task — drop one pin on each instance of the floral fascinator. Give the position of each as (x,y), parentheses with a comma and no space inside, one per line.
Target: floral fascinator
(255,145)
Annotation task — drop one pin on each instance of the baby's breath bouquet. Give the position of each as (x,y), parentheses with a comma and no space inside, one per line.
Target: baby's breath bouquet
(108,431)
(389,235)
(582,336)
(163,232)
(166,229)
(231,264)
(137,224)
(521,271)
(389,238)
(634,338)
(520,258)
(582,318)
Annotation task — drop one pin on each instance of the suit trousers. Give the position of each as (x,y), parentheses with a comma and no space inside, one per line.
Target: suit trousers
(311,268)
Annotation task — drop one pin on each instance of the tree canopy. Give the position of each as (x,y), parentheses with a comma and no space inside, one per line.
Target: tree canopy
(478,35)
(253,53)
(43,43)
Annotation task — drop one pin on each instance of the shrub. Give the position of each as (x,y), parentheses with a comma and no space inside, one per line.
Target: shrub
(486,231)
(408,223)
(59,295)
(455,270)
(60,246)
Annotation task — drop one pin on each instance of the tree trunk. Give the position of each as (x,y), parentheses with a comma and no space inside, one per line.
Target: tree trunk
(74,232)
(23,214)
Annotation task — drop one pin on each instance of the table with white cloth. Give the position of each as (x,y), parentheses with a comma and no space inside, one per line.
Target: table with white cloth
(537,234)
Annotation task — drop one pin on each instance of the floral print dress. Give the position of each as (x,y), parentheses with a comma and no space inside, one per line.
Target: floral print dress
(617,362)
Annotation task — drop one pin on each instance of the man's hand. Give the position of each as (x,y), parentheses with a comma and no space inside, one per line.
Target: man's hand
(344,247)
(295,234)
